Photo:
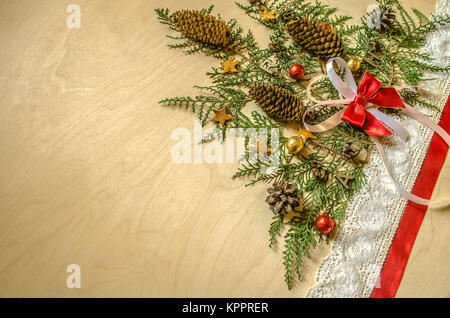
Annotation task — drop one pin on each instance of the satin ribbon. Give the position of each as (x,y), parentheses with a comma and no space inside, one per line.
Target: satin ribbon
(361,112)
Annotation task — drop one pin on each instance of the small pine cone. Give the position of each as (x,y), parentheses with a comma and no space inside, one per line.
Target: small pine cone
(382,18)
(316,37)
(317,171)
(283,197)
(375,46)
(277,102)
(287,15)
(275,47)
(350,150)
(203,28)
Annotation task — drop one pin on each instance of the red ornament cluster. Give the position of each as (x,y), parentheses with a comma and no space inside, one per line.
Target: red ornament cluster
(324,224)
(296,71)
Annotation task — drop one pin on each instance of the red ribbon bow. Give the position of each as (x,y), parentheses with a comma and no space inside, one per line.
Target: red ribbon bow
(370,91)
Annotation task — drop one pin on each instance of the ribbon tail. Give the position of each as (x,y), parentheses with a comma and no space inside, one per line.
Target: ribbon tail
(390,122)
(404,193)
(415,114)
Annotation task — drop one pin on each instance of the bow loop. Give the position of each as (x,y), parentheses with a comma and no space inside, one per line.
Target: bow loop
(387,97)
(368,86)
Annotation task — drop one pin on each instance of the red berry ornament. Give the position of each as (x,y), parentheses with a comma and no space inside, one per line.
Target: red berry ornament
(324,224)
(296,71)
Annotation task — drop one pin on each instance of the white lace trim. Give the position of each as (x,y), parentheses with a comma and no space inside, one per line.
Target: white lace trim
(372,217)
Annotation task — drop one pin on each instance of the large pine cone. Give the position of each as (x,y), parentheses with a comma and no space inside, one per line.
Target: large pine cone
(203,28)
(277,102)
(283,197)
(317,38)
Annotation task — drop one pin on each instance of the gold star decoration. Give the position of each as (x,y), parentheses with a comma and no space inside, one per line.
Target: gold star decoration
(221,116)
(229,65)
(305,134)
(266,15)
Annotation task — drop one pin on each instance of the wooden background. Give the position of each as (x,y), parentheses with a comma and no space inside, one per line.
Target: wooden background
(86,175)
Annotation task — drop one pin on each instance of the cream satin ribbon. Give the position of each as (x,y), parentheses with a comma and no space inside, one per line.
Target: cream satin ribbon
(348,89)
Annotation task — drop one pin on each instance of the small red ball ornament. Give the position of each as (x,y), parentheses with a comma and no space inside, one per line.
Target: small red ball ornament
(296,71)
(324,224)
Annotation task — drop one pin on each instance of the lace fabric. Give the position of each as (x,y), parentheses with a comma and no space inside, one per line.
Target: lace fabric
(372,217)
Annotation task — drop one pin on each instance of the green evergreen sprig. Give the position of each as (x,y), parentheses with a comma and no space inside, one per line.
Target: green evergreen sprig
(190,46)
(392,56)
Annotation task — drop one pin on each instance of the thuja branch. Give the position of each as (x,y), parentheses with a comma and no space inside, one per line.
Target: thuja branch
(326,176)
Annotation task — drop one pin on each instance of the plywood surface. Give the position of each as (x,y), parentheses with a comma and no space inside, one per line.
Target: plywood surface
(86,175)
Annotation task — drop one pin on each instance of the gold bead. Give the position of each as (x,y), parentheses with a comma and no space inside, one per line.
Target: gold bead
(294,145)
(354,64)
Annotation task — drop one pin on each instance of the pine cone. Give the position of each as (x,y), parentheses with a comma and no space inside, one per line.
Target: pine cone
(275,47)
(203,28)
(287,15)
(283,197)
(375,46)
(382,18)
(318,38)
(277,102)
(350,150)
(317,171)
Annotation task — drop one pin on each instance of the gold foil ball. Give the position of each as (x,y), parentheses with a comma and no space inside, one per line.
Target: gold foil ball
(354,64)
(294,145)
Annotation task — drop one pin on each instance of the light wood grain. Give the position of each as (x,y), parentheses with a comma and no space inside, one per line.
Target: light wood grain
(86,175)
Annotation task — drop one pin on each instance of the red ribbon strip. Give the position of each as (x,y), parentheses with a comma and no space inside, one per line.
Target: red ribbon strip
(408,228)
(370,91)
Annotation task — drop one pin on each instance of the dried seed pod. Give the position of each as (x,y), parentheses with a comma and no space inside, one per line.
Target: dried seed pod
(382,18)
(275,47)
(318,171)
(287,15)
(283,197)
(350,150)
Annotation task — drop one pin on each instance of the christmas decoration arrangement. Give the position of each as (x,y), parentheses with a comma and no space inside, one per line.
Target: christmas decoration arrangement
(330,90)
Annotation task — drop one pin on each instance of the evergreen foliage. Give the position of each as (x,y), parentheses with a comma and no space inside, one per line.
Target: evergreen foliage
(391,55)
